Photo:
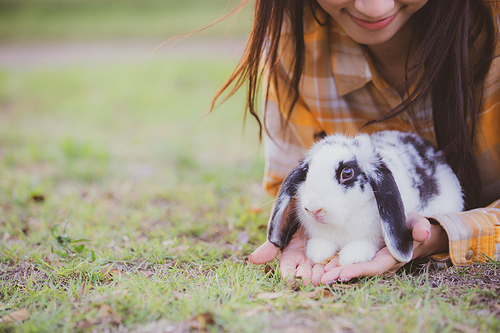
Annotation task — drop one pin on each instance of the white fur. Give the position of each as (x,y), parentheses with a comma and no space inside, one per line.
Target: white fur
(349,221)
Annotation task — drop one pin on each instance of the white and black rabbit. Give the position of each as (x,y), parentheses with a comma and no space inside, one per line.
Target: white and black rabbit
(352,195)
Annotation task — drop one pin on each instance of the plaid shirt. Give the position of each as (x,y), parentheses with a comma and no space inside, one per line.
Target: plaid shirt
(340,91)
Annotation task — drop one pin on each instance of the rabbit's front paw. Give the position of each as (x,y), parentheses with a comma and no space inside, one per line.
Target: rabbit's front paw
(318,250)
(355,252)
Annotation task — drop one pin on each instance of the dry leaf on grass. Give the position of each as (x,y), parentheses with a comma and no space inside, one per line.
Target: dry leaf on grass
(269,269)
(110,273)
(204,320)
(270,296)
(109,315)
(319,293)
(146,272)
(115,272)
(18,315)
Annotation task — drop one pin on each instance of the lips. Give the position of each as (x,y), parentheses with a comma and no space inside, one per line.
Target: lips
(373,25)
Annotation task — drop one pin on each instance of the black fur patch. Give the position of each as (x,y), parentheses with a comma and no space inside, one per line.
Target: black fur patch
(295,178)
(358,178)
(284,218)
(391,209)
(420,145)
(425,181)
(288,229)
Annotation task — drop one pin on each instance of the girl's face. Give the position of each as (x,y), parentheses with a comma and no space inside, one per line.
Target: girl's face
(371,22)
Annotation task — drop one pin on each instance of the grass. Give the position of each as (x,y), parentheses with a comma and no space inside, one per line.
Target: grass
(119,164)
(123,208)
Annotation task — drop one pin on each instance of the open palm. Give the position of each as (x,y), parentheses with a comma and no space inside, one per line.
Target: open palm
(295,264)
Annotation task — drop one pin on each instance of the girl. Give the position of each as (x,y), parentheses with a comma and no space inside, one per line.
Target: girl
(350,66)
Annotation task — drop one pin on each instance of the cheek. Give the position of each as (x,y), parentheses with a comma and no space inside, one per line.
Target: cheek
(414,5)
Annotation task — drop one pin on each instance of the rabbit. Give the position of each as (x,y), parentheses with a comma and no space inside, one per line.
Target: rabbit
(351,195)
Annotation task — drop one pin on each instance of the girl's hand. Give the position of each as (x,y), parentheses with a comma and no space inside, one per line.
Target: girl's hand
(293,261)
(428,239)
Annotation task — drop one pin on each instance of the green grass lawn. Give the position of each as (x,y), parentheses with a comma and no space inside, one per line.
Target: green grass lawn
(124,208)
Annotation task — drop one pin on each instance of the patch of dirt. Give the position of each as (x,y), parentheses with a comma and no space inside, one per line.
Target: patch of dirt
(480,276)
(20,273)
(486,278)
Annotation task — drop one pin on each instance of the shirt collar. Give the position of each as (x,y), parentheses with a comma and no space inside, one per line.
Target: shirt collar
(349,61)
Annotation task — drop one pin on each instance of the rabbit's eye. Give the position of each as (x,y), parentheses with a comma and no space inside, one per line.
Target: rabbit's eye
(346,174)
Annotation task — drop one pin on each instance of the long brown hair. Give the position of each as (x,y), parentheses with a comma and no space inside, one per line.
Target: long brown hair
(454,46)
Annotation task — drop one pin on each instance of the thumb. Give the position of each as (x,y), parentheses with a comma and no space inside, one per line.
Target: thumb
(265,253)
(420,227)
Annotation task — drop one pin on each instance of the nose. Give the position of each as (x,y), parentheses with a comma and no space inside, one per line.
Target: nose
(374,8)
(315,212)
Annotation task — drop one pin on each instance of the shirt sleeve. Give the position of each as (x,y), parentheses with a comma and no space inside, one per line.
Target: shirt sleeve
(282,149)
(473,235)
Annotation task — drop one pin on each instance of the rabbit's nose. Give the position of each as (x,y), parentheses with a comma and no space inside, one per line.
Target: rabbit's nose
(315,212)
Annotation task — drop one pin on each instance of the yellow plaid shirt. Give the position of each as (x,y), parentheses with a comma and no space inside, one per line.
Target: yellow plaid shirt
(340,91)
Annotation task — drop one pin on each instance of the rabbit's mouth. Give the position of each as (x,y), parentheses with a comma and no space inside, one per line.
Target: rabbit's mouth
(319,218)
(317,214)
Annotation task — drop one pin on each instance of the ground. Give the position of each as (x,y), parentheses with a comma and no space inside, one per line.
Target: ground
(124,209)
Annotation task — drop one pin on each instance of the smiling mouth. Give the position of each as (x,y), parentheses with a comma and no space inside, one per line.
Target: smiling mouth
(375,25)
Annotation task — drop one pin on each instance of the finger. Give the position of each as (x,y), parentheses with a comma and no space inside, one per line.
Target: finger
(288,267)
(264,253)
(382,263)
(420,226)
(304,271)
(317,272)
(332,275)
(334,263)
(362,269)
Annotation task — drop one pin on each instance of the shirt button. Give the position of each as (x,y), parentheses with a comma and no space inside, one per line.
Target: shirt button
(469,255)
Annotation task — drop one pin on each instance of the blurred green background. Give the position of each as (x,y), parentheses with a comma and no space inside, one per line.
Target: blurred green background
(66,79)
(98,19)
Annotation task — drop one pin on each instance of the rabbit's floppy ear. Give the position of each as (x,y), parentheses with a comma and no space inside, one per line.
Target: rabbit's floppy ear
(284,221)
(397,236)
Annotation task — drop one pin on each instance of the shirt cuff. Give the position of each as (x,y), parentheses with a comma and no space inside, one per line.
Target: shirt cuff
(473,235)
